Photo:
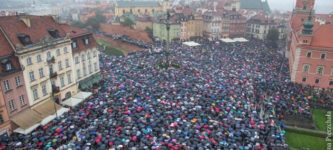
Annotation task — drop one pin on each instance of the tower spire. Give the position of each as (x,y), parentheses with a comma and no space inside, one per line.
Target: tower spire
(308,25)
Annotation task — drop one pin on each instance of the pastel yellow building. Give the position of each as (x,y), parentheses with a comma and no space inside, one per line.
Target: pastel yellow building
(142,23)
(140,7)
(191,26)
(45,55)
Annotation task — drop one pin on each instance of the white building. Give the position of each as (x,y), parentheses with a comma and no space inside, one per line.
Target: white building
(258,26)
(85,56)
(212,25)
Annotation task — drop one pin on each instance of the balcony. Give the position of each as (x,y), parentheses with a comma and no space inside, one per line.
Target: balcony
(51,60)
(53,74)
(55,89)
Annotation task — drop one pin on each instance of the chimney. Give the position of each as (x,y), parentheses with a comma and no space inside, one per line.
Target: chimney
(26,20)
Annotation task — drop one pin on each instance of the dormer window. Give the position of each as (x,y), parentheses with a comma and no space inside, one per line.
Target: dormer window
(86,41)
(74,44)
(24,39)
(54,33)
(8,67)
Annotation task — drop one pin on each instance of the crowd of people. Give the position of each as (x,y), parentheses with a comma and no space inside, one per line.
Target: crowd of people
(129,40)
(223,96)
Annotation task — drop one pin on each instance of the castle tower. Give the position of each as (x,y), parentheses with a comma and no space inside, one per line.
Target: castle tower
(301,12)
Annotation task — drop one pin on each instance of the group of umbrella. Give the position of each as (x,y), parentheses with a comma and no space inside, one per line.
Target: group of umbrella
(222,96)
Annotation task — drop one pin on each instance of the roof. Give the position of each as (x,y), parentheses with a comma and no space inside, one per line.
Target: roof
(261,18)
(255,4)
(5,48)
(118,29)
(322,36)
(13,25)
(126,4)
(74,31)
(328,18)
(79,35)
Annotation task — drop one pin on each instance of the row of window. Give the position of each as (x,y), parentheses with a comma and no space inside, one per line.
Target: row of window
(78,71)
(322,55)
(83,57)
(317,81)
(85,41)
(44,85)
(41,70)
(12,106)
(139,11)
(48,55)
(319,69)
(6,83)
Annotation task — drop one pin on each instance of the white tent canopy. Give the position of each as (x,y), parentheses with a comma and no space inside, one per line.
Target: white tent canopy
(72,102)
(82,95)
(229,40)
(77,99)
(240,39)
(191,43)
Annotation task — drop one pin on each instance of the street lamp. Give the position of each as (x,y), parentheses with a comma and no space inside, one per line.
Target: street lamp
(167,23)
(54,88)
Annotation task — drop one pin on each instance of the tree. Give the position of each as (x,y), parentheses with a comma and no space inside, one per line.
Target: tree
(128,22)
(150,32)
(78,24)
(272,38)
(95,22)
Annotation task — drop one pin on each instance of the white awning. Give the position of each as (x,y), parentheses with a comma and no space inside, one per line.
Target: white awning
(82,95)
(47,119)
(60,112)
(227,40)
(77,99)
(191,43)
(26,121)
(72,102)
(240,40)
(26,131)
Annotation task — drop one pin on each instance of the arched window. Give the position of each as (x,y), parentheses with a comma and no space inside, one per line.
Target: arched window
(306,68)
(320,70)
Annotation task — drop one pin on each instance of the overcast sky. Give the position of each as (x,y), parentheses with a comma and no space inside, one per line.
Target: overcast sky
(322,6)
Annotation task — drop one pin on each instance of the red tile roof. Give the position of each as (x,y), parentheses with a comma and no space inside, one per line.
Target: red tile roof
(5,48)
(12,25)
(118,29)
(73,31)
(322,37)
(78,35)
(328,18)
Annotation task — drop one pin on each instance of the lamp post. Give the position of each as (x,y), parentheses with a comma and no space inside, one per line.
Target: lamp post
(167,23)
(52,75)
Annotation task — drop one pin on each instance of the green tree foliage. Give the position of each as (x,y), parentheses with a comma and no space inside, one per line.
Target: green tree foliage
(78,24)
(149,31)
(128,22)
(95,22)
(272,38)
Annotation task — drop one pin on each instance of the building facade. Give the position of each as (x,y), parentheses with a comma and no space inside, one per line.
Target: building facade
(311,48)
(233,24)
(160,31)
(259,26)
(142,23)
(140,7)
(198,25)
(5,125)
(40,73)
(212,25)
(13,89)
(85,56)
